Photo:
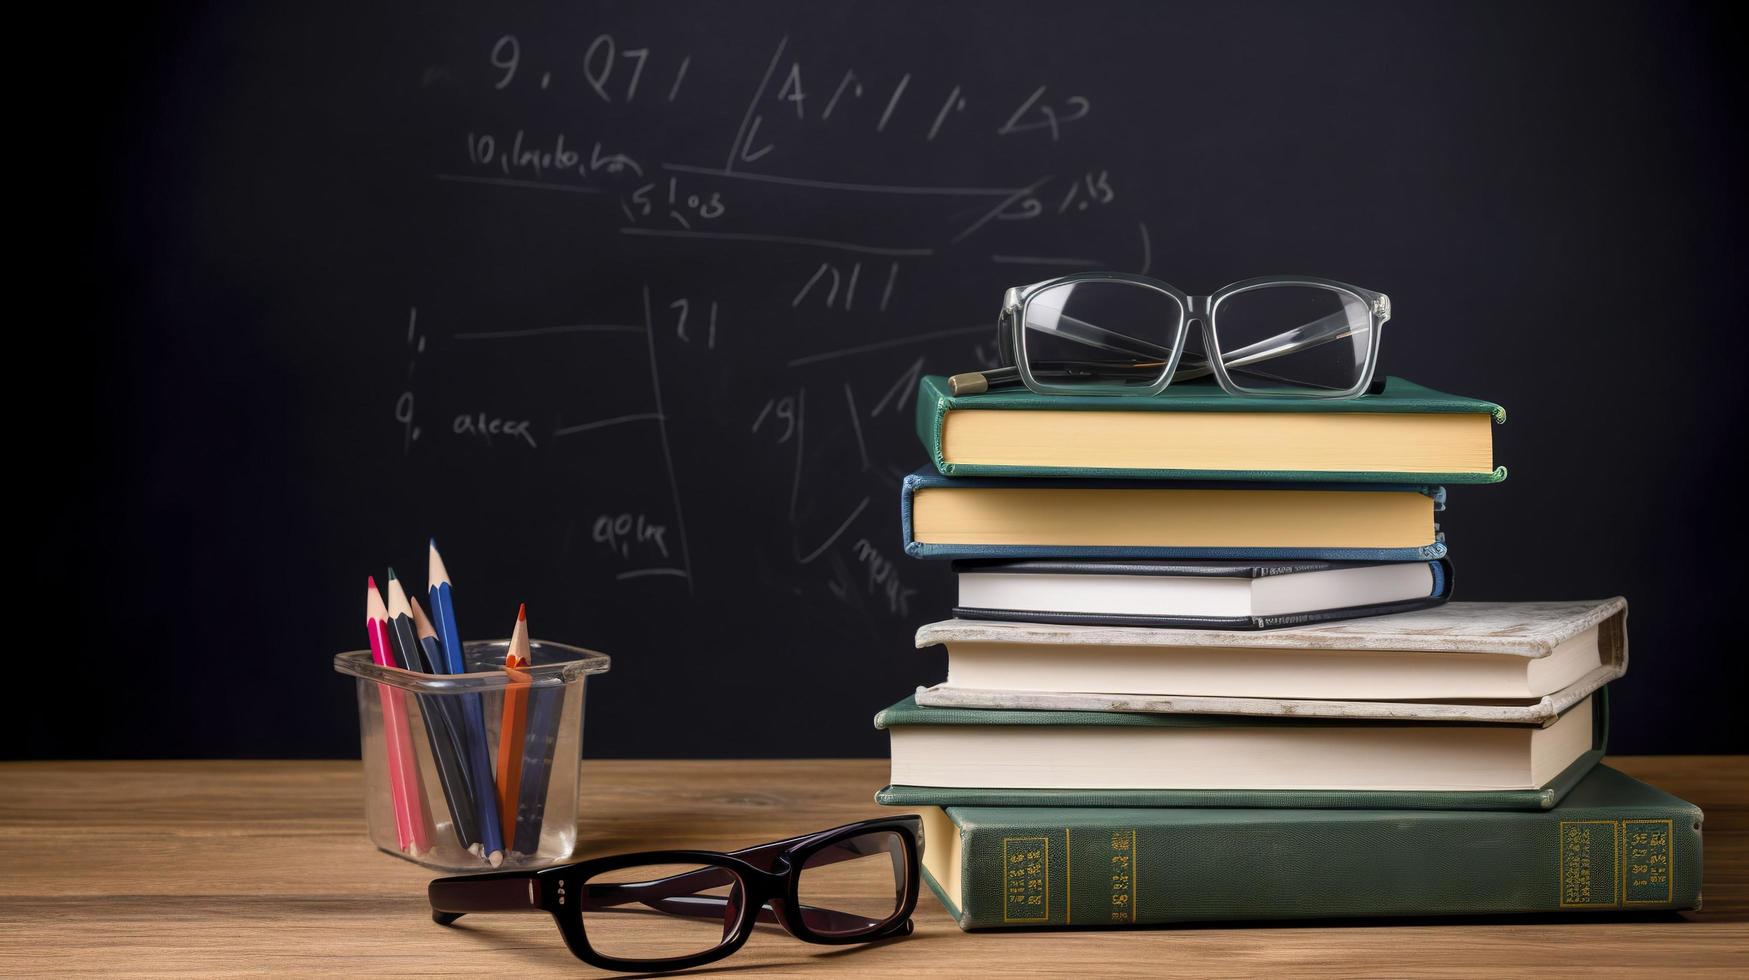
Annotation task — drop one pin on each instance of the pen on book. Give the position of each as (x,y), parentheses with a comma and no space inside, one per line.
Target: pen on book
(397,745)
(478,756)
(513,727)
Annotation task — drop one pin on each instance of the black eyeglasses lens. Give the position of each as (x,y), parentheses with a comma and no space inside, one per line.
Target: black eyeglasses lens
(853,886)
(661,911)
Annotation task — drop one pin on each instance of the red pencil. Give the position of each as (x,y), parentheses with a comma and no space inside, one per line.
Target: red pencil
(405,786)
(513,727)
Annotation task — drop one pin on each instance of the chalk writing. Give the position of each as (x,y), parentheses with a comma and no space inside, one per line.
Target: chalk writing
(883,578)
(683,208)
(542,156)
(682,307)
(620,533)
(814,202)
(783,409)
(486,427)
(611,73)
(404,401)
(1075,109)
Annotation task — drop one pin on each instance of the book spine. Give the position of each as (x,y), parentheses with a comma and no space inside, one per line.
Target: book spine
(1252,865)
(933,404)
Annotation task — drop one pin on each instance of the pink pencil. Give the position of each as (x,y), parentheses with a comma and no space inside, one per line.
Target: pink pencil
(404,780)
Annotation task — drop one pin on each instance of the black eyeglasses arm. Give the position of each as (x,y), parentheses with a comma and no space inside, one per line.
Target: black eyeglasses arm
(495,891)
(677,894)
(602,898)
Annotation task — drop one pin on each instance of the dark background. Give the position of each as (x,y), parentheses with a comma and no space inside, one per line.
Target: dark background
(265,194)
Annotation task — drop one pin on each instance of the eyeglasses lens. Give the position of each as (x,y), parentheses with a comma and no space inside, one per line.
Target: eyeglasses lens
(1100,332)
(660,911)
(1294,337)
(853,886)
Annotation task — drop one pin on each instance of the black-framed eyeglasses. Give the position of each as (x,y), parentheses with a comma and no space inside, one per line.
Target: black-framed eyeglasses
(1111,333)
(673,910)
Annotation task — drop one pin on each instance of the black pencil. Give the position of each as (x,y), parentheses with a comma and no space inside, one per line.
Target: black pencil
(441,721)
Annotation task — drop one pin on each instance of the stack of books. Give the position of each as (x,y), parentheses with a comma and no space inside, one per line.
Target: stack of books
(1203,667)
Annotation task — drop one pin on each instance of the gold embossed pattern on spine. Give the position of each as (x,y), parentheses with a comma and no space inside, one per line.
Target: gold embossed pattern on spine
(1123,876)
(1026,879)
(1648,873)
(1590,863)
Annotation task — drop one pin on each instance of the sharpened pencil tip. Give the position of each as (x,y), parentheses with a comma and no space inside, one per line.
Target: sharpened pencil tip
(522,612)
(436,574)
(370,582)
(392,575)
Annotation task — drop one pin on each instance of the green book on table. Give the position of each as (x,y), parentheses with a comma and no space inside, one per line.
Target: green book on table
(1614,844)
(1406,434)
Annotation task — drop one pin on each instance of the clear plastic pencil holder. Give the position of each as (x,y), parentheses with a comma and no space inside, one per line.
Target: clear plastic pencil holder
(450,757)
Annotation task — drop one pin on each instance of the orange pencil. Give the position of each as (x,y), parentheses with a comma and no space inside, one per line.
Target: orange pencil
(513,728)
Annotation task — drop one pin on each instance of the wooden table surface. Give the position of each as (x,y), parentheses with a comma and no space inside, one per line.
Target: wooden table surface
(221,868)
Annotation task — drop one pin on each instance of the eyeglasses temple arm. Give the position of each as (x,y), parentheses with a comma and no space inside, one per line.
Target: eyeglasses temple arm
(666,895)
(496,891)
(763,855)
(688,882)
(1321,331)
(600,898)
(1093,335)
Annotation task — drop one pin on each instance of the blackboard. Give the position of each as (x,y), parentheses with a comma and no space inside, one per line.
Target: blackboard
(626,305)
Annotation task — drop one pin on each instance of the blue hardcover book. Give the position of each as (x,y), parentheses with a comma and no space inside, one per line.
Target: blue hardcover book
(946,517)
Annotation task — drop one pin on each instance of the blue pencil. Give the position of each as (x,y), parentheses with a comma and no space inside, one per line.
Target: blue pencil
(473,711)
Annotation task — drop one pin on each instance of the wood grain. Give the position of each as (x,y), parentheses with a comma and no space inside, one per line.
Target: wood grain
(194,869)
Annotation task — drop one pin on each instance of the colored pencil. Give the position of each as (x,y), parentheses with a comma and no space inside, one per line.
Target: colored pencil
(546,708)
(401,629)
(442,596)
(479,756)
(442,720)
(431,650)
(444,725)
(513,727)
(398,744)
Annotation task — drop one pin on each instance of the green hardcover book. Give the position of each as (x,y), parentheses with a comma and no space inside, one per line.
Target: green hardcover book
(1195,431)
(1614,844)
